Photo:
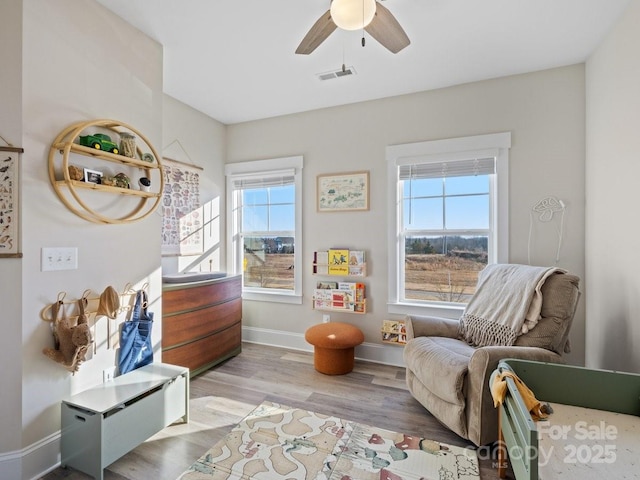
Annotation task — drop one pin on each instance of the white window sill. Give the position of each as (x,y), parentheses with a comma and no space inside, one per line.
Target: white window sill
(433,310)
(275,297)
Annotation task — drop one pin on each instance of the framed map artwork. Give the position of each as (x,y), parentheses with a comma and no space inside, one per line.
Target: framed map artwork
(343,192)
(182,220)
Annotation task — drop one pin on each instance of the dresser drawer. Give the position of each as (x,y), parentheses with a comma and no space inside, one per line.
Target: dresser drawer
(177,300)
(205,352)
(180,329)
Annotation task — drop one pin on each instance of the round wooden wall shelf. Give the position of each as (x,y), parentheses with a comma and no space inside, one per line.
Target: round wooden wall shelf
(67,146)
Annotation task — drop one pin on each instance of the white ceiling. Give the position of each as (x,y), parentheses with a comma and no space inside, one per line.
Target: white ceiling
(234,60)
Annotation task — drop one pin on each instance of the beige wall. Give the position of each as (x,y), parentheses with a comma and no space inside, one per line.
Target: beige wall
(545,111)
(612,173)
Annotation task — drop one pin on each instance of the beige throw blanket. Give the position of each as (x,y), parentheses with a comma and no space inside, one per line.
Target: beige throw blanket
(507,303)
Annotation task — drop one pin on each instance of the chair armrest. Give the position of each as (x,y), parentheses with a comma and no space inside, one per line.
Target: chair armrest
(485,359)
(422,326)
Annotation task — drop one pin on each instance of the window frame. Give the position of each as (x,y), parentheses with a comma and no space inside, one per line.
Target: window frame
(492,145)
(235,251)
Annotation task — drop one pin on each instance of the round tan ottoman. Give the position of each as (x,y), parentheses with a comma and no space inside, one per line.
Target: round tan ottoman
(333,346)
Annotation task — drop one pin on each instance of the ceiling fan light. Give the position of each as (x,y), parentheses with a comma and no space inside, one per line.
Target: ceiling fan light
(352,14)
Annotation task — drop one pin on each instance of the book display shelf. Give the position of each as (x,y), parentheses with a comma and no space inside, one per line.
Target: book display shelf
(339,294)
(394,332)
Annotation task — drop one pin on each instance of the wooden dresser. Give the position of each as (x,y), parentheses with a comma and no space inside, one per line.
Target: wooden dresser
(201,322)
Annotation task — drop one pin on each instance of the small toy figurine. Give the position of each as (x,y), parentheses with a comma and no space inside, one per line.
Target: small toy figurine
(99,141)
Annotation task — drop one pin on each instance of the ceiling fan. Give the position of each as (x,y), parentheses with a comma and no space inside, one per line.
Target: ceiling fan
(369,15)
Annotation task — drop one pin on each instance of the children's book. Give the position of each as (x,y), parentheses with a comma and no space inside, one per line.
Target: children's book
(338,261)
(321,263)
(394,331)
(356,257)
(322,298)
(359,299)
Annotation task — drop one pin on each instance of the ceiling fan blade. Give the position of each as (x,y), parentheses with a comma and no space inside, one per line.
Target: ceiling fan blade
(318,34)
(385,29)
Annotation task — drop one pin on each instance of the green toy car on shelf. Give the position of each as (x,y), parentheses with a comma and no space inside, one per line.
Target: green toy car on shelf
(99,141)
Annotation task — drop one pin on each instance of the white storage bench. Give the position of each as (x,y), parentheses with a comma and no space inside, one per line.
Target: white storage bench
(105,422)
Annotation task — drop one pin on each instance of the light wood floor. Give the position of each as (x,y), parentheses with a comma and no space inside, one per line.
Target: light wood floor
(373,394)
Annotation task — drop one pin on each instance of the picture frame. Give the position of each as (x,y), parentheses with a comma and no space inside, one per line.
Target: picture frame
(92,176)
(10,228)
(342,192)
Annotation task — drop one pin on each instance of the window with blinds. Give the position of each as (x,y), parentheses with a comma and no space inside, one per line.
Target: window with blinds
(446,227)
(264,211)
(446,218)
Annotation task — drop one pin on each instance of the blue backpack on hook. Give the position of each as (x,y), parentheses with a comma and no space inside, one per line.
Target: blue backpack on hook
(136,349)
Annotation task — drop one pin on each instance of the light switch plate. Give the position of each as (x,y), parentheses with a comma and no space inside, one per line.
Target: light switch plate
(59,258)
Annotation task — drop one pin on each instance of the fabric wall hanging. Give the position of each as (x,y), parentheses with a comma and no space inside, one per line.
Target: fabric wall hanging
(9,196)
(181,211)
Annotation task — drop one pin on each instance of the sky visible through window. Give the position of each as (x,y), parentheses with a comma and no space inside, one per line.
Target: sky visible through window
(456,203)
(269,209)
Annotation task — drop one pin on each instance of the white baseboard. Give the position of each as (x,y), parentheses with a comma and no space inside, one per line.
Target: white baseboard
(371,352)
(32,462)
(10,465)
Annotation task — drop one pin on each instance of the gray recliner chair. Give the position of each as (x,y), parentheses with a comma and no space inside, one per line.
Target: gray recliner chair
(450,378)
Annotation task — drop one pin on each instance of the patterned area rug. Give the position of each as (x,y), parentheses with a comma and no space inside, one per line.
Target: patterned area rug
(279,442)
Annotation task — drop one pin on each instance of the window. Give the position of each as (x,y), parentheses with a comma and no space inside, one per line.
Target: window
(450,219)
(264,212)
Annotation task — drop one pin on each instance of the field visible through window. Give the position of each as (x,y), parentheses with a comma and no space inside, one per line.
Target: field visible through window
(441,278)
(428,277)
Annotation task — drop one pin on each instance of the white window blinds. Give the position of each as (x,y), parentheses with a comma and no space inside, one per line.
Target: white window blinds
(450,168)
(271,178)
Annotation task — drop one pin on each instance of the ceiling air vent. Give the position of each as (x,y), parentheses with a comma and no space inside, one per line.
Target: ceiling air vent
(346,72)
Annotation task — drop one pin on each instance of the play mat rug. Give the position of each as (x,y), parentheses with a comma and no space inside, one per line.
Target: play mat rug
(279,442)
